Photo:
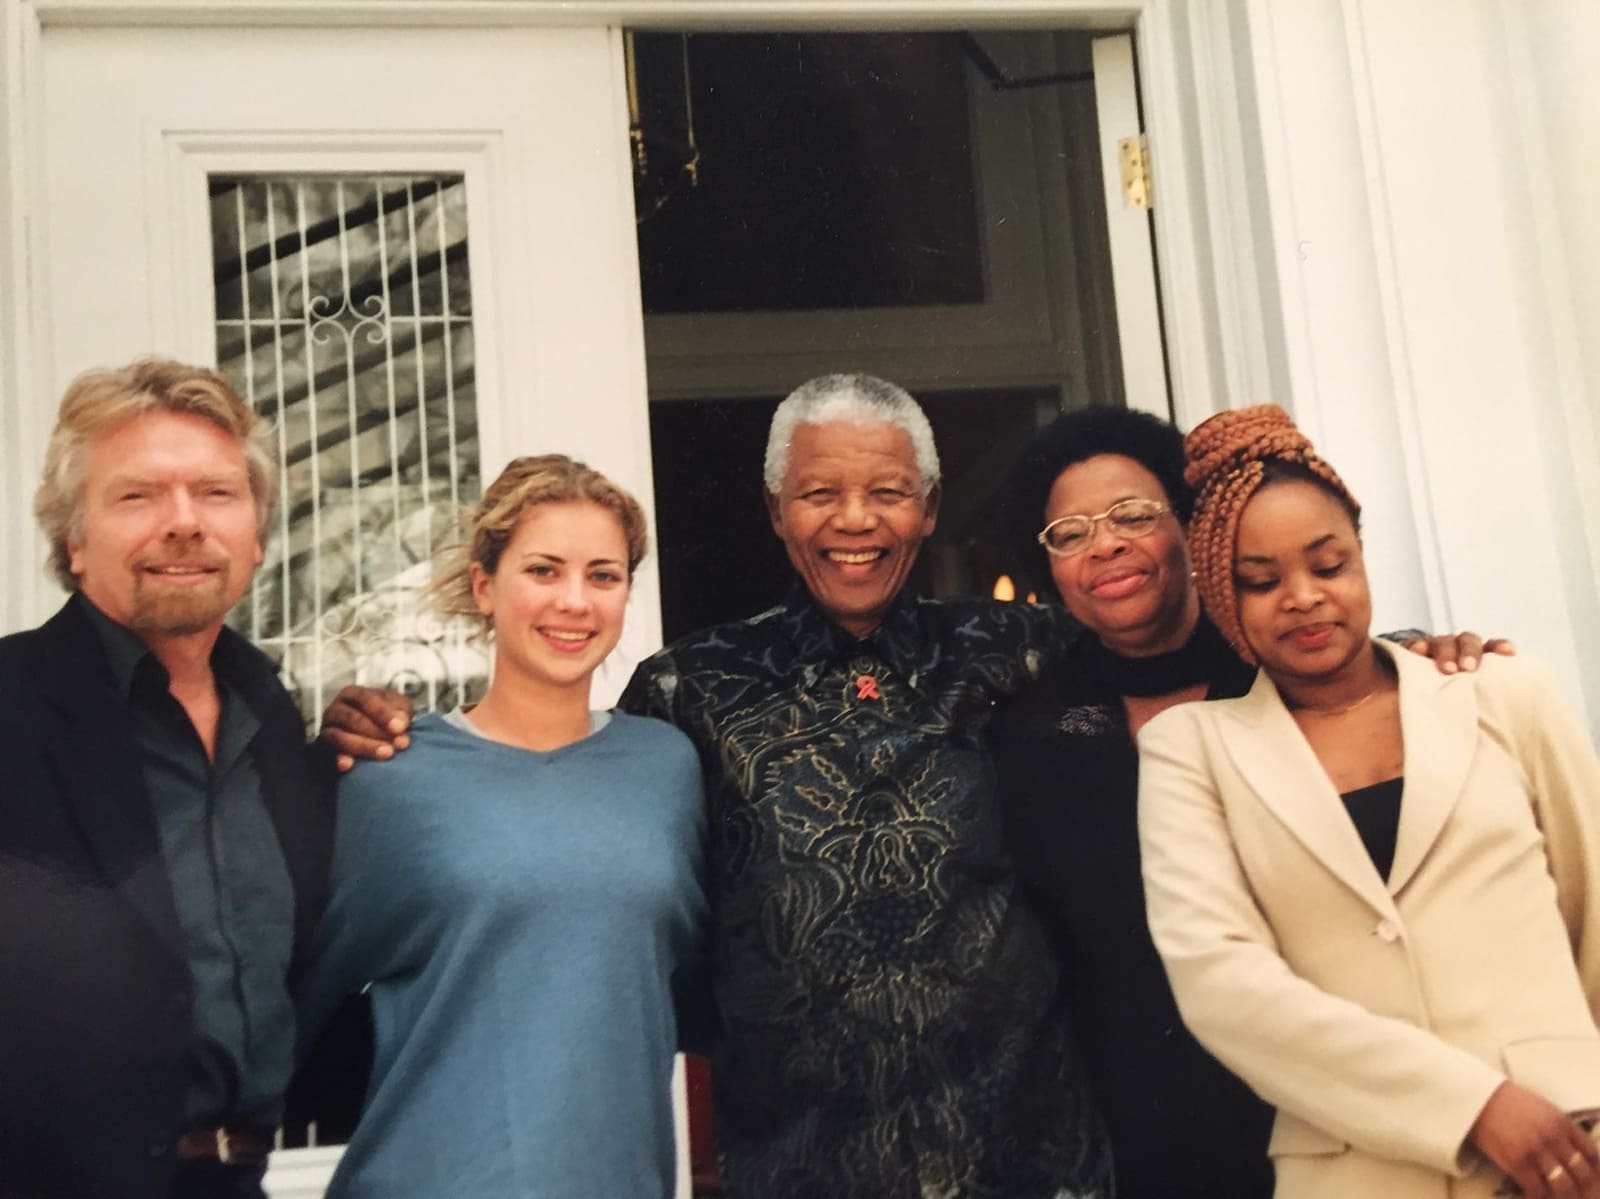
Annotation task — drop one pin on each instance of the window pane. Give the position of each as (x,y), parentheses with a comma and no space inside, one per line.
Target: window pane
(344,314)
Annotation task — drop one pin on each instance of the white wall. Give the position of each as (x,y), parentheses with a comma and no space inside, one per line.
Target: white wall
(21,550)
(1433,291)
(1552,48)
(1556,56)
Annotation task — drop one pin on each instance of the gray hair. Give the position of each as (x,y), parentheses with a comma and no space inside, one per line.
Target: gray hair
(853,399)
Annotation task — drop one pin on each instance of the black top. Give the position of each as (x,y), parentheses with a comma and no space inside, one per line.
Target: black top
(1182,1126)
(97,1005)
(230,886)
(1375,811)
(893,1023)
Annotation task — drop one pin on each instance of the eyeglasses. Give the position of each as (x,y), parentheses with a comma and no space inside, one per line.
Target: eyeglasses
(1069,535)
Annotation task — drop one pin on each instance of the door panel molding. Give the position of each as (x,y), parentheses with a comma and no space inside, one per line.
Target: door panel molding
(182,161)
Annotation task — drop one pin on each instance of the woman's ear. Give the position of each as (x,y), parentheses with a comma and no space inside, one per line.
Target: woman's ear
(482,590)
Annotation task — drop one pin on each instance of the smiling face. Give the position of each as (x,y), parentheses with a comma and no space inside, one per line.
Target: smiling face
(557,595)
(1302,583)
(1133,593)
(167,538)
(852,516)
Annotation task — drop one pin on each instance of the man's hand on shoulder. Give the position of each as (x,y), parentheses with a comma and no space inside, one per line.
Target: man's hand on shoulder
(365,722)
(1452,652)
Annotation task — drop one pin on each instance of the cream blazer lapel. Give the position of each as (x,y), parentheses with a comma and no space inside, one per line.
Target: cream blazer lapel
(1275,761)
(1439,724)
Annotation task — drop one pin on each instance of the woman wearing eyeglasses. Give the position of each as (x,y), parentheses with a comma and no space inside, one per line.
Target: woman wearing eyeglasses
(1106,486)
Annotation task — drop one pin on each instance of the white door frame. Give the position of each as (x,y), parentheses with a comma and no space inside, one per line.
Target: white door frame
(1133,267)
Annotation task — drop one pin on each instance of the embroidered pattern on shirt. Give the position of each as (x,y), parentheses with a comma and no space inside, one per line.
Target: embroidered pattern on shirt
(1086,720)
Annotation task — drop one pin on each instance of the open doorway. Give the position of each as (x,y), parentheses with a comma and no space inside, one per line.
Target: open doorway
(929,207)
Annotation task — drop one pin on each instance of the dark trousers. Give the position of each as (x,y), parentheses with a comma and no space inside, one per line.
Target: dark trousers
(202,1179)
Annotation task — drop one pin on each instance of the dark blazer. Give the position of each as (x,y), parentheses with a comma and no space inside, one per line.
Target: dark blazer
(95,993)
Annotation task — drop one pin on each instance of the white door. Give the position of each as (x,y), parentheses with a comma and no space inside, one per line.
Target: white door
(217,192)
(500,154)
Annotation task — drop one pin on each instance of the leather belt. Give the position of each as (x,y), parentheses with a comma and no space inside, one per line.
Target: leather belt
(242,1145)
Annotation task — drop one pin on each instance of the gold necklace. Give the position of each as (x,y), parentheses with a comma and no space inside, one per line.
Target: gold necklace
(1350,707)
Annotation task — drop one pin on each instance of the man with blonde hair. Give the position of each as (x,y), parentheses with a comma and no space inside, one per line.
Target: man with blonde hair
(165,833)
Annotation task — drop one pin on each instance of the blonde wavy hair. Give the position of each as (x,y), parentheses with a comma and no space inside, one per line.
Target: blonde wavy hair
(98,401)
(523,484)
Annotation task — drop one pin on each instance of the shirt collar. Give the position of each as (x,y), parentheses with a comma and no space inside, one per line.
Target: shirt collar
(898,640)
(125,653)
(132,663)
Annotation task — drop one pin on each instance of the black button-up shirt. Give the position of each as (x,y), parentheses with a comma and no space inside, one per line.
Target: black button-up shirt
(230,886)
(893,1020)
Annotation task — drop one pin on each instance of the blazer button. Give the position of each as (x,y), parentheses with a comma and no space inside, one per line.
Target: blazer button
(1388,931)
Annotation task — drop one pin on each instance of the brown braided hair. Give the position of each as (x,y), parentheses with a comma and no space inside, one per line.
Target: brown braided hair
(1230,456)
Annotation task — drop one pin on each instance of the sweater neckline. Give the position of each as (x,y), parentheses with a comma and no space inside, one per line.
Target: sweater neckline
(456,720)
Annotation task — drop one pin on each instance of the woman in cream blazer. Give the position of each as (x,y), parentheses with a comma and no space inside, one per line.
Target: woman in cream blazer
(1382,1015)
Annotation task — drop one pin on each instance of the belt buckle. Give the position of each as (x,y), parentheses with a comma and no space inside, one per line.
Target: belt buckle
(224,1150)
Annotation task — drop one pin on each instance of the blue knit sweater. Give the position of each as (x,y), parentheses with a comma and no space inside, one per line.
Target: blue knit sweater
(522,918)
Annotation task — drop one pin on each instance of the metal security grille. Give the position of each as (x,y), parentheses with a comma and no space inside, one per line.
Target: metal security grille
(344,314)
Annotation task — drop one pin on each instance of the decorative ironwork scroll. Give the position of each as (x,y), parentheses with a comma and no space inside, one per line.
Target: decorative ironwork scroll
(344,314)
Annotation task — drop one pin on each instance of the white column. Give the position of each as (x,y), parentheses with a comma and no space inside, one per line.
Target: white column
(1425,338)
(1550,48)
(21,549)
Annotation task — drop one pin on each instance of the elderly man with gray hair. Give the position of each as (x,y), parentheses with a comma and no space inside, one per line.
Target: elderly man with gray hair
(892,1020)
(164,833)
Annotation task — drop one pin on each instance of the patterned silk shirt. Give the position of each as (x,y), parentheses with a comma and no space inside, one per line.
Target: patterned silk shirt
(893,1023)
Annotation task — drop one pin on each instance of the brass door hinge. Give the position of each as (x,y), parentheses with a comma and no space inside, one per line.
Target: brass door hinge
(1134,155)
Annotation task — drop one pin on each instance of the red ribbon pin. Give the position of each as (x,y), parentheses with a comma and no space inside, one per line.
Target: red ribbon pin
(866,687)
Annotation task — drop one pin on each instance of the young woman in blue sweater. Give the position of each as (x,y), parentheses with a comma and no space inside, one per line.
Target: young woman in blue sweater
(522,890)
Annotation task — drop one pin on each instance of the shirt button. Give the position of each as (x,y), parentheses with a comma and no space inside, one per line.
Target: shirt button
(1388,931)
